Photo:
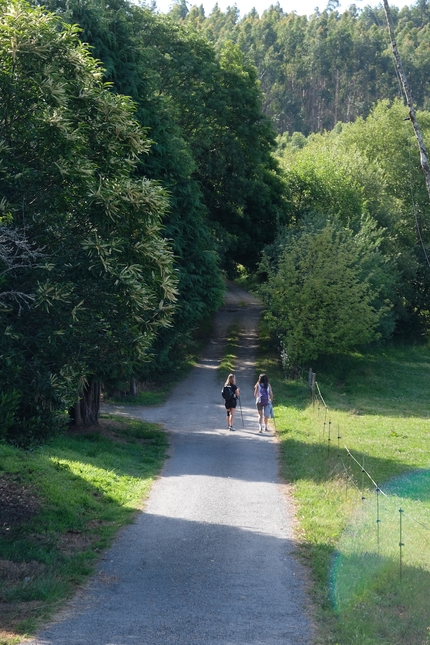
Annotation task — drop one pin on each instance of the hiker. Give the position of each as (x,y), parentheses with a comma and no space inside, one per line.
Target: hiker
(263,399)
(230,393)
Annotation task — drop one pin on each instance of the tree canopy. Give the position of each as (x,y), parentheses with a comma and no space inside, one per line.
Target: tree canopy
(103,282)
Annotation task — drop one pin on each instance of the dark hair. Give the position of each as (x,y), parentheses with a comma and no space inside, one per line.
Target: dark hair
(263,380)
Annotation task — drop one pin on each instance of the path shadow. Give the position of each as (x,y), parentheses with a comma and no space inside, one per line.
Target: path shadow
(170,580)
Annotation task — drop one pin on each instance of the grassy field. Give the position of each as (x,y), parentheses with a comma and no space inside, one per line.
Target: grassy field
(359,470)
(61,505)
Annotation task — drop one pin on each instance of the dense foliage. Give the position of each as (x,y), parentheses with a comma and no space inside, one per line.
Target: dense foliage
(212,147)
(363,179)
(327,74)
(321,295)
(88,277)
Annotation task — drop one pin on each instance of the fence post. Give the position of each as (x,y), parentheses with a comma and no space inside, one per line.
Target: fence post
(400,542)
(313,387)
(362,481)
(378,519)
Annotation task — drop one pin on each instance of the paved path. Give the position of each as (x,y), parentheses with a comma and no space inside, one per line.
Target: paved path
(209,561)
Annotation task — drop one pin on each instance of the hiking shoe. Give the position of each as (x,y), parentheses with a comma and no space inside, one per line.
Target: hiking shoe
(231,428)
(260,431)
(266,429)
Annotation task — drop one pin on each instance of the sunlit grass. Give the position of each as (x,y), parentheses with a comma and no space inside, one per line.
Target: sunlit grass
(367,590)
(77,492)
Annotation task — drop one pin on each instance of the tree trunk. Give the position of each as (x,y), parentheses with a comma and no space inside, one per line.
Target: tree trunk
(133,387)
(87,410)
(77,413)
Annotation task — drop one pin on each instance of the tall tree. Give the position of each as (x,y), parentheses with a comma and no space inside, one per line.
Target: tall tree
(105,286)
(319,294)
(203,110)
(145,56)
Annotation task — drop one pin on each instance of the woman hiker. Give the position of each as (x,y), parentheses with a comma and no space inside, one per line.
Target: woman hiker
(263,398)
(230,393)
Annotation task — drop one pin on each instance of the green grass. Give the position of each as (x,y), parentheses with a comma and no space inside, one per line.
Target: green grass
(228,361)
(62,505)
(377,408)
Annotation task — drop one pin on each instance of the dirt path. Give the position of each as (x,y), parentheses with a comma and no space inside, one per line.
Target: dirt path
(210,560)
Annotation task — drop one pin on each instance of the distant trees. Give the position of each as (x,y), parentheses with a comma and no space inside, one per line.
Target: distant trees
(329,67)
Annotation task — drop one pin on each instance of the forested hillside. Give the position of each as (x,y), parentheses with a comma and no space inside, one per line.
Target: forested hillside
(329,67)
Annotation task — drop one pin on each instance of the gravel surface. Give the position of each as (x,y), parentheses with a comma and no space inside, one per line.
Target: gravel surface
(209,561)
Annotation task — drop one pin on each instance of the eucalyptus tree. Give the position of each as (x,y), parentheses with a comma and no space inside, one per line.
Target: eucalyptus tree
(327,67)
(105,284)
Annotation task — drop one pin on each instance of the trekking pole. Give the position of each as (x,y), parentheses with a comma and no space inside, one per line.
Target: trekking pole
(240,405)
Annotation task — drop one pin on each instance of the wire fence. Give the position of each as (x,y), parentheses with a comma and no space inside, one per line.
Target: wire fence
(384,509)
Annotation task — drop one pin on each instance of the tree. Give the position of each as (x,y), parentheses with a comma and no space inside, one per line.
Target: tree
(320,296)
(371,167)
(213,144)
(156,62)
(409,100)
(105,285)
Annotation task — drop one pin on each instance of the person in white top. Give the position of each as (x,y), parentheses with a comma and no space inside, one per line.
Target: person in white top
(263,397)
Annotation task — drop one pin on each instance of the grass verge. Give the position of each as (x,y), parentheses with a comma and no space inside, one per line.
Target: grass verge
(367,589)
(61,505)
(229,358)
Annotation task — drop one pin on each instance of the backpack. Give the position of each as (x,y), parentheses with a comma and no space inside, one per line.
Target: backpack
(227,393)
(263,395)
